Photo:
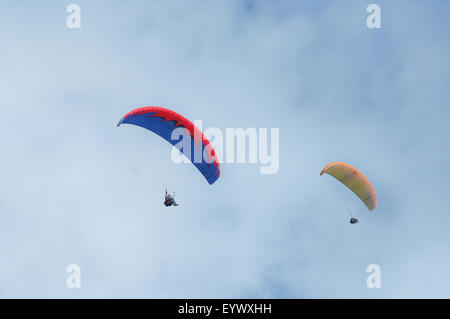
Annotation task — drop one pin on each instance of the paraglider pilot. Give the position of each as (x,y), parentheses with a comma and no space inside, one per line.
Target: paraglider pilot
(169,200)
(354,220)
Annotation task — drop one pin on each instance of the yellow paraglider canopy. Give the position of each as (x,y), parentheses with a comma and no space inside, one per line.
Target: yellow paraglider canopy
(353,179)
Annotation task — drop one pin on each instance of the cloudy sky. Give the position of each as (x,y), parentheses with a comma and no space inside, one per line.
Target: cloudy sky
(76,189)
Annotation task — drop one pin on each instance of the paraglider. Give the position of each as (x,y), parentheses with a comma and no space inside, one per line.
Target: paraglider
(163,122)
(355,181)
(170,200)
(353,220)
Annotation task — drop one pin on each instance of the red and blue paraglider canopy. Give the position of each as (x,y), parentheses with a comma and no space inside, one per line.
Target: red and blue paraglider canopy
(163,122)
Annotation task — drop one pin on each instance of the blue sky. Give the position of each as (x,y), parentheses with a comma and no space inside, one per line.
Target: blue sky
(74,188)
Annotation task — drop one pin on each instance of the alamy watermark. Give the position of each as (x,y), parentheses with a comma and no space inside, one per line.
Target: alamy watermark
(374,279)
(74,279)
(237,145)
(373,21)
(74,18)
